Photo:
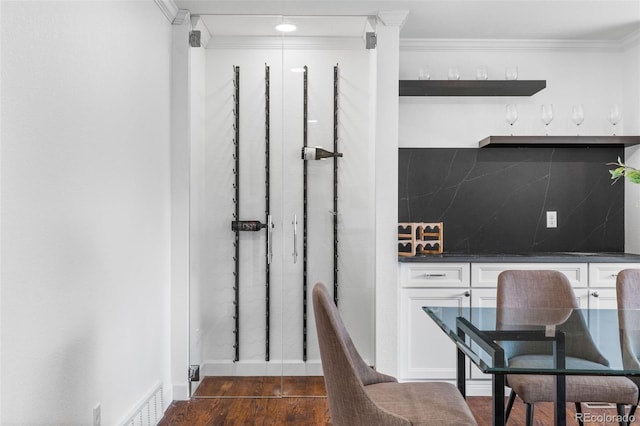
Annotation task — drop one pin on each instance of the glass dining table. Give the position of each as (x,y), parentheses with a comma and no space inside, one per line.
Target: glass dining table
(490,336)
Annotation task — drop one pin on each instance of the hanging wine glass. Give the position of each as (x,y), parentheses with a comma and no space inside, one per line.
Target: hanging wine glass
(577,115)
(511,115)
(547,116)
(614,116)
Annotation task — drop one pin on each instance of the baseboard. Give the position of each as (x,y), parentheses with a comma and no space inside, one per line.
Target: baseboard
(179,392)
(473,387)
(261,368)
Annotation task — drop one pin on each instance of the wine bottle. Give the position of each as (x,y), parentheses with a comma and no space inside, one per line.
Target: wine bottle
(247,225)
(317,153)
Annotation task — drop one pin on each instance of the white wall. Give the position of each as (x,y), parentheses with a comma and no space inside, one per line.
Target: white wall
(85,208)
(588,74)
(631,65)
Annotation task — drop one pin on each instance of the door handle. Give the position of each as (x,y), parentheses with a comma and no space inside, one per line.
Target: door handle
(269,237)
(295,239)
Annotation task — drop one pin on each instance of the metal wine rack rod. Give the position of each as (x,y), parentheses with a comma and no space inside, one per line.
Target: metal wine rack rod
(335,184)
(304,218)
(236,214)
(267,212)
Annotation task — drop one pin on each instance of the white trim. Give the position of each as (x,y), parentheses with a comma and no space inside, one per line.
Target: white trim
(424,45)
(317,43)
(631,40)
(182,18)
(311,367)
(198,24)
(394,18)
(478,387)
(169,8)
(179,392)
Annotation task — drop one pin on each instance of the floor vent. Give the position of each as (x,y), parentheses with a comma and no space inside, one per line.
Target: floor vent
(149,412)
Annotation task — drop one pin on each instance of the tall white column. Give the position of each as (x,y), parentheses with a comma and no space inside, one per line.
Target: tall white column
(386,187)
(178,299)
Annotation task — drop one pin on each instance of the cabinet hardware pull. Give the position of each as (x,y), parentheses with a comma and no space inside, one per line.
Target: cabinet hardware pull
(614,275)
(595,294)
(428,275)
(467,293)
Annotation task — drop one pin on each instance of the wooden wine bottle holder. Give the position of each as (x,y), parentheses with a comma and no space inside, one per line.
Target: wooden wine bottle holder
(419,238)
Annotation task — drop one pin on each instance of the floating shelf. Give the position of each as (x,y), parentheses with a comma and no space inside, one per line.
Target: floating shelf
(471,87)
(567,141)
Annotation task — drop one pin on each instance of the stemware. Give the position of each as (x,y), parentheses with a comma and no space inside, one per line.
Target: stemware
(547,116)
(511,73)
(577,115)
(614,116)
(511,115)
(453,73)
(481,73)
(424,74)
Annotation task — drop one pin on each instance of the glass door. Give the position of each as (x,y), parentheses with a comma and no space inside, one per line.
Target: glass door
(236,258)
(326,88)
(264,224)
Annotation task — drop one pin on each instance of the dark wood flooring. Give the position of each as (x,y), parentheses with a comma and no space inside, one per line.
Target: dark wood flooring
(302,401)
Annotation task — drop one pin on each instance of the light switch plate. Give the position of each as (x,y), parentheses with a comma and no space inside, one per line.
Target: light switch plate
(552,219)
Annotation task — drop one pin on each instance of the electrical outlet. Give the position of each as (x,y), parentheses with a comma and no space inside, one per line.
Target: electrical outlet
(552,219)
(96,416)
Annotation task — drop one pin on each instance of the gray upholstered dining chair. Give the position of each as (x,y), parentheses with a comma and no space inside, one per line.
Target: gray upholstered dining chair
(628,296)
(359,395)
(552,290)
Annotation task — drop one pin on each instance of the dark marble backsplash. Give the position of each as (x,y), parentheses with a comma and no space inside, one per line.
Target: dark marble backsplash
(494,200)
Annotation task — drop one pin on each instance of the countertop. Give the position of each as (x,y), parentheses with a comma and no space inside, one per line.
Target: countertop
(542,257)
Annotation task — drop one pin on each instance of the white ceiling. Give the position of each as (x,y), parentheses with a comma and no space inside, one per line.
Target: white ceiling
(435,19)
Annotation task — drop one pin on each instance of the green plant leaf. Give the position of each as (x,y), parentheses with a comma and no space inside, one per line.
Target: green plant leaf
(633,175)
(617,173)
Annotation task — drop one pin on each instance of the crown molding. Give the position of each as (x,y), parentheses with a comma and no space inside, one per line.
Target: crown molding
(293,43)
(427,45)
(393,18)
(631,40)
(168,8)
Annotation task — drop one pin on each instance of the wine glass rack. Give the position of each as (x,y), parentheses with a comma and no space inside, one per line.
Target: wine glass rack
(305,92)
(336,74)
(267,208)
(236,214)
(238,225)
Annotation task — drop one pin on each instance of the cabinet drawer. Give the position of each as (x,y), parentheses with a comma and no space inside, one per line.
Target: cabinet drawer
(486,274)
(435,275)
(604,274)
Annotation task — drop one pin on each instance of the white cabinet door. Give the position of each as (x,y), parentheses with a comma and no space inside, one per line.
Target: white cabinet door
(602,298)
(602,302)
(426,352)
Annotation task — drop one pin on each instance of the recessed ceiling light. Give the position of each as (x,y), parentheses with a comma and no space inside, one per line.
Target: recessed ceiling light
(312,121)
(297,69)
(285,28)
